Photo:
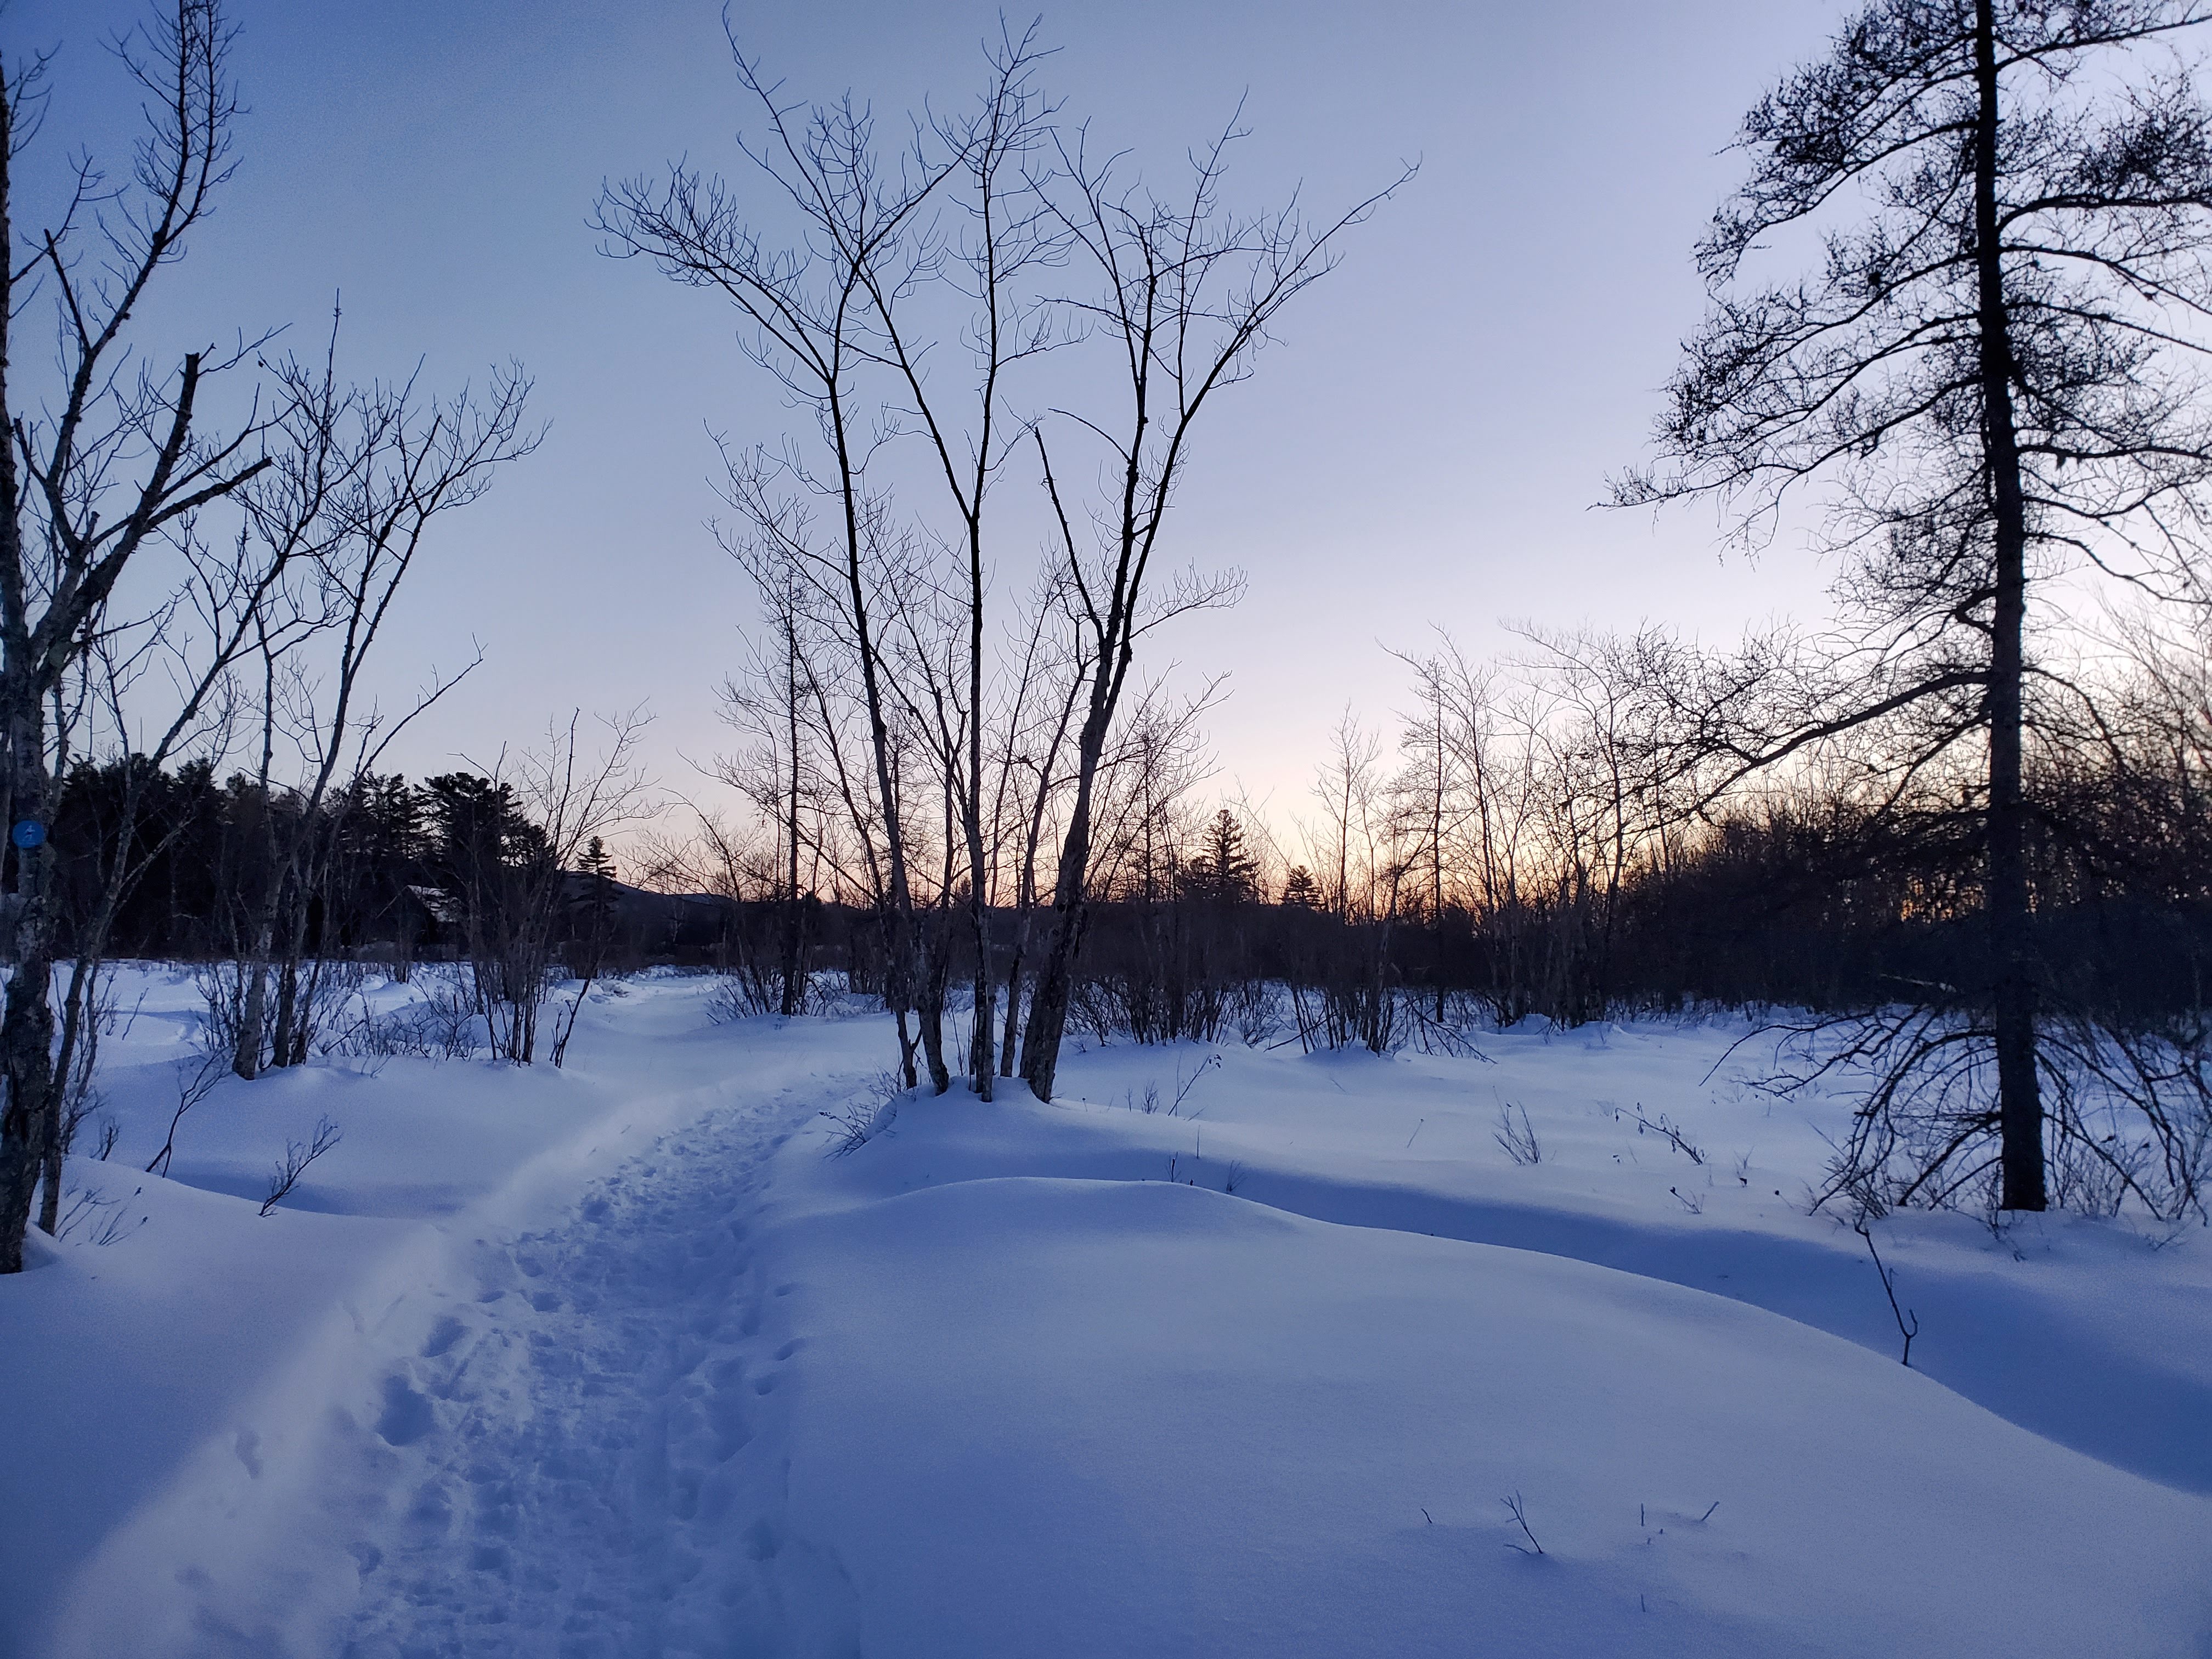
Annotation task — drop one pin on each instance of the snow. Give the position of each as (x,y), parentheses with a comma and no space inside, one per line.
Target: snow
(1216,1428)
(614,1360)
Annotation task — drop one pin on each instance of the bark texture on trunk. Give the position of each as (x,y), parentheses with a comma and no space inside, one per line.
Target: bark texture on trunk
(937,962)
(2012,960)
(982,1051)
(253,1010)
(1055,975)
(80,1042)
(1007,1035)
(26,1028)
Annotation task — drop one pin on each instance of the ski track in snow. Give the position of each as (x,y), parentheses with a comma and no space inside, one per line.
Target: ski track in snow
(562,1467)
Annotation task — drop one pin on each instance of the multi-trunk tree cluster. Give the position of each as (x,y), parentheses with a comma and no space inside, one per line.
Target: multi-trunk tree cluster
(989,304)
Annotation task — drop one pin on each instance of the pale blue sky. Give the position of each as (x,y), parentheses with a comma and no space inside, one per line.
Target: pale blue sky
(1422,448)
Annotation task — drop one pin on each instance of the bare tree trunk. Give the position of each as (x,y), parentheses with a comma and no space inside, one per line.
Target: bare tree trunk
(27,1032)
(1025,892)
(1436,845)
(69,1059)
(253,967)
(73,1073)
(287,1036)
(936,968)
(253,1009)
(253,961)
(1055,979)
(899,930)
(793,993)
(2019,1105)
(1012,1025)
(981,1050)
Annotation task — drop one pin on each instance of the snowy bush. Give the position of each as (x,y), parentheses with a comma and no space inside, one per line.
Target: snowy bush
(442,1022)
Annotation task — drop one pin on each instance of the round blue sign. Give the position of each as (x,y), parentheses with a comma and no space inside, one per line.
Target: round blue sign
(28,834)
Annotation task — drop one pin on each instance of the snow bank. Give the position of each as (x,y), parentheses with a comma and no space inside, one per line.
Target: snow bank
(2031,1324)
(1081,1417)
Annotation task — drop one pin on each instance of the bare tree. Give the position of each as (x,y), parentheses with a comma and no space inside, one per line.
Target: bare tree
(773,702)
(885,246)
(1476,742)
(368,471)
(892,259)
(1365,849)
(809,313)
(1036,730)
(569,798)
(1992,371)
(88,477)
(194,641)
(1186,292)
(1006,234)
(1348,789)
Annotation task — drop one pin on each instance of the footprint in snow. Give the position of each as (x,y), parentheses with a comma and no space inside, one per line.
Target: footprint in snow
(407,1416)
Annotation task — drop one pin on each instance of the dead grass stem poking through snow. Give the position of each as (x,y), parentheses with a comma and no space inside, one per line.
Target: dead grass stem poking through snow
(864,1115)
(1519,1140)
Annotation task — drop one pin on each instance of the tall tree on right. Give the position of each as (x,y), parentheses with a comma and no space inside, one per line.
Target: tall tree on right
(1985,370)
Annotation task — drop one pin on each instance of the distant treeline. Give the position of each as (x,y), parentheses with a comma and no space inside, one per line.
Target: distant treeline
(1820,904)
(1817,904)
(1822,908)
(399,860)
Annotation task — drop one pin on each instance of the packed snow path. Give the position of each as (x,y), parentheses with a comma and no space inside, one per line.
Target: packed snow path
(532,1427)
(562,1466)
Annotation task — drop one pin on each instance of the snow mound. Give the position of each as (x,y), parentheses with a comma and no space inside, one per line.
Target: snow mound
(1077,1417)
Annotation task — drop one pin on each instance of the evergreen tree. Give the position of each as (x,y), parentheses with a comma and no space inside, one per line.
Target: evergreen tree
(1223,871)
(599,864)
(599,869)
(481,845)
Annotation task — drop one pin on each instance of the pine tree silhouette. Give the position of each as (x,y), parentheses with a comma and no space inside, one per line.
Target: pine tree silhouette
(1222,869)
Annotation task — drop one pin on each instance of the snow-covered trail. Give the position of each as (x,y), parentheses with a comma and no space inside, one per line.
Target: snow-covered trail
(561,1465)
(543,1434)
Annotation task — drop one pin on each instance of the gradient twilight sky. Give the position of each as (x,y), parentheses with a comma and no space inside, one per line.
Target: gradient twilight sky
(1422,448)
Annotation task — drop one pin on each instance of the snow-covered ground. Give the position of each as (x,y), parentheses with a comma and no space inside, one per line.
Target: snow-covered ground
(614,1360)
